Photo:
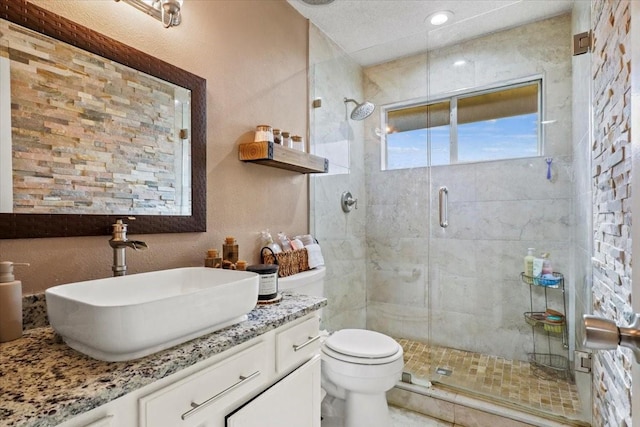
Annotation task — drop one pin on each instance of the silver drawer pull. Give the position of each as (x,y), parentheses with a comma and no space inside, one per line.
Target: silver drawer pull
(102,422)
(195,407)
(306,343)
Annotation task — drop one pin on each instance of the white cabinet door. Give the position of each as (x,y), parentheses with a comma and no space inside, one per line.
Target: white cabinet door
(292,402)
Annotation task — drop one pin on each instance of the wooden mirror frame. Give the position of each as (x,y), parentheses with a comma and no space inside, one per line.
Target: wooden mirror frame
(18,226)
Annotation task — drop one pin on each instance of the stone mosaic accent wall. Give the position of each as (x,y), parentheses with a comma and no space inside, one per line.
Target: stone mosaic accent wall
(611,160)
(89,135)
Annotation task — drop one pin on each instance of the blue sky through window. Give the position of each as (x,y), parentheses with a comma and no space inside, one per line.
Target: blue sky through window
(504,138)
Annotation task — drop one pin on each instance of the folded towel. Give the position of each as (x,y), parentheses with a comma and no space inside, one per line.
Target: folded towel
(306,239)
(315,255)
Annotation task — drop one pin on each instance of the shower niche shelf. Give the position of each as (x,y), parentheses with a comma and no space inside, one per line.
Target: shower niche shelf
(547,318)
(275,155)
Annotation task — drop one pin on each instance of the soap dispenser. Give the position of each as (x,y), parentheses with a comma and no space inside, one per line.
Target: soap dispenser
(528,262)
(10,303)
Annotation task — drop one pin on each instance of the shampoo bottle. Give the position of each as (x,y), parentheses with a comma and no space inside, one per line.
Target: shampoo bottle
(10,303)
(528,262)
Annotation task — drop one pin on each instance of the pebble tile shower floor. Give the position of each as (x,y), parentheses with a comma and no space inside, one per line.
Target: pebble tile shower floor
(492,376)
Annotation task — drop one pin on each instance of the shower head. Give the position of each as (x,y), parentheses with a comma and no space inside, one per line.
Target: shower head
(361,111)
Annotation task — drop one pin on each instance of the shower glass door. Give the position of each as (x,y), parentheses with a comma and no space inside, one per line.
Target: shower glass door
(502,183)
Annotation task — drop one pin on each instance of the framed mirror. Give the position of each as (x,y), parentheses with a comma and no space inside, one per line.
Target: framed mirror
(88,148)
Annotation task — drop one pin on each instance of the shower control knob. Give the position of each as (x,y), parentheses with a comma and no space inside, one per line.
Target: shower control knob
(347,202)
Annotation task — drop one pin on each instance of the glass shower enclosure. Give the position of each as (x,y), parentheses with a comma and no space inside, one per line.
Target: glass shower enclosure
(447,208)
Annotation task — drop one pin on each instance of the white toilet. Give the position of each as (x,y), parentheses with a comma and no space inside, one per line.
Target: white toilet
(358,366)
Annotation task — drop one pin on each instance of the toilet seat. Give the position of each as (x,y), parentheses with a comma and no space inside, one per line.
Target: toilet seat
(362,347)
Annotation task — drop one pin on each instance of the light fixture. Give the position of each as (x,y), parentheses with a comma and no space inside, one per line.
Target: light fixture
(439,18)
(166,11)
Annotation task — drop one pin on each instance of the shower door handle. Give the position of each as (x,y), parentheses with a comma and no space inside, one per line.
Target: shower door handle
(604,334)
(443,206)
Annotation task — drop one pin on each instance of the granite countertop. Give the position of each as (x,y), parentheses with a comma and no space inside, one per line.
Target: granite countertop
(43,382)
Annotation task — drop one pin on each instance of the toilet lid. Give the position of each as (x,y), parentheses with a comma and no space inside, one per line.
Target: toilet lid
(362,343)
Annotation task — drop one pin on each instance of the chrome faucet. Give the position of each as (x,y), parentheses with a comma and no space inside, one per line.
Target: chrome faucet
(120,243)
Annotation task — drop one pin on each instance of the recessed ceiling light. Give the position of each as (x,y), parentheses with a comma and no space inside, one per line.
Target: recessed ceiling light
(459,63)
(439,18)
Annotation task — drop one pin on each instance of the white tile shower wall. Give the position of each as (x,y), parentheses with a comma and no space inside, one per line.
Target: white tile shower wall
(611,186)
(335,76)
(468,274)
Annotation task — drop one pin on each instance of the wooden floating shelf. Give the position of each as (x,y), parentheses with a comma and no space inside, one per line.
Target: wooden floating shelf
(275,155)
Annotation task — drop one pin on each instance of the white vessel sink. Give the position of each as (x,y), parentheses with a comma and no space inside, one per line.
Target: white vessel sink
(128,317)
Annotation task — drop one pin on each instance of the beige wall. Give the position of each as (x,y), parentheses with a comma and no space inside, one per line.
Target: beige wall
(254,57)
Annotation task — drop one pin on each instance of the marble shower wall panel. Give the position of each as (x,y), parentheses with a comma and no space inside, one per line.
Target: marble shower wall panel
(344,283)
(335,76)
(542,48)
(472,297)
(397,253)
(384,86)
(523,179)
(398,320)
(331,221)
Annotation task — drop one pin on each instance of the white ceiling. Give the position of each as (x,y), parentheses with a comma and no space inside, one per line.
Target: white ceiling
(375,31)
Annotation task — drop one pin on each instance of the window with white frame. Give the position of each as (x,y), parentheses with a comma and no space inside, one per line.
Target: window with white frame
(493,124)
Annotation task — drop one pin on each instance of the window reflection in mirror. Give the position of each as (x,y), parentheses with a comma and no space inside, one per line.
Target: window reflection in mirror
(88,135)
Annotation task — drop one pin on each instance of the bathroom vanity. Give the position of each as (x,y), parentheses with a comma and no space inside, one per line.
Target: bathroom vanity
(261,372)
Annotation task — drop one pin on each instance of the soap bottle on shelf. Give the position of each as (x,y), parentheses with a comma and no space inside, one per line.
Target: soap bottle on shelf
(528,262)
(10,303)
(230,250)
(267,241)
(546,264)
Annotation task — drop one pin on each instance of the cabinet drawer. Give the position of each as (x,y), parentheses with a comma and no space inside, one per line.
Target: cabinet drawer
(297,344)
(205,394)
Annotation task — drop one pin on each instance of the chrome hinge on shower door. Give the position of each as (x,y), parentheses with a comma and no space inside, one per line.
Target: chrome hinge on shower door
(582,43)
(582,361)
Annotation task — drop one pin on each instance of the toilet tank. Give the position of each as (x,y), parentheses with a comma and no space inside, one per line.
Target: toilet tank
(309,282)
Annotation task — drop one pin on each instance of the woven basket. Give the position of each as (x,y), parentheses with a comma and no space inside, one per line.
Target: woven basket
(289,262)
